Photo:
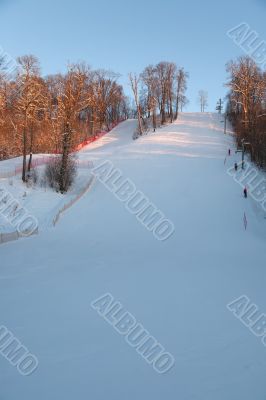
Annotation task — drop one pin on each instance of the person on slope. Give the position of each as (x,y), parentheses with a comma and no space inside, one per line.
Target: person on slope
(229,152)
(245,191)
(236,166)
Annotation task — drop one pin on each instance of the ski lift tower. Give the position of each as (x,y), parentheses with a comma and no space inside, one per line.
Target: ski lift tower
(242,150)
(224,121)
(219,106)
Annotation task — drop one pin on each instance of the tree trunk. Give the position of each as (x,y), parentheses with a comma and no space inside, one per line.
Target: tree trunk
(139,120)
(163,112)
(154,119)
(30,161)
(171,110)
(31,148)
(177,107)
(65,155)
(24,165)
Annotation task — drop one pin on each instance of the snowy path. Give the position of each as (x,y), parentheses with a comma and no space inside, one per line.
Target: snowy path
(178,289)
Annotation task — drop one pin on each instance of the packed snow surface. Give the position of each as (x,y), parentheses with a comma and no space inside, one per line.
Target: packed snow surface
(177,289)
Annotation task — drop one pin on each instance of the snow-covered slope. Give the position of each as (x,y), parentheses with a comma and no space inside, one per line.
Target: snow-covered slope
(178,289)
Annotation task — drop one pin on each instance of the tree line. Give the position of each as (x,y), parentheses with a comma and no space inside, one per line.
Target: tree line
(159,94)
(246,106)
(55,113)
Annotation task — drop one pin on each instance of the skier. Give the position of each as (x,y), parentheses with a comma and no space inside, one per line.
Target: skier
(245,192)
(229,152)
(236,166)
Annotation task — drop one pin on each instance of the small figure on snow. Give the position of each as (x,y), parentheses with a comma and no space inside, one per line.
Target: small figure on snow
(229,152)
(245,192)
(236,166)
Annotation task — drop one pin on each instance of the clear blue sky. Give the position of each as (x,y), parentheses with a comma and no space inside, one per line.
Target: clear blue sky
(126,36)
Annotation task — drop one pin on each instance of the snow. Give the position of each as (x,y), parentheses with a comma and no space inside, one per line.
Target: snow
(39,200)
(177,289)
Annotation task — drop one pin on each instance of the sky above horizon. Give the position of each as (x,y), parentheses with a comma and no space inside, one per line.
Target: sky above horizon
(127,36)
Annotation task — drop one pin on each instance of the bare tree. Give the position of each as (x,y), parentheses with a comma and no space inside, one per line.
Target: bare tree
(203,100)
(32,109)
(134,82)
(150,81)
(181,87)
(162,91)
(29,102)
(247,86)
(71,100)
(183,101)
(171,72)
(246,105)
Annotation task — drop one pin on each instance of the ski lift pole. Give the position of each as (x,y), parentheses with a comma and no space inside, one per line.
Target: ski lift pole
(242,150)
(225,120)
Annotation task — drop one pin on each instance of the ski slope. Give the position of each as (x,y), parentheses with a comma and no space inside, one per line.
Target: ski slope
(178,289)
